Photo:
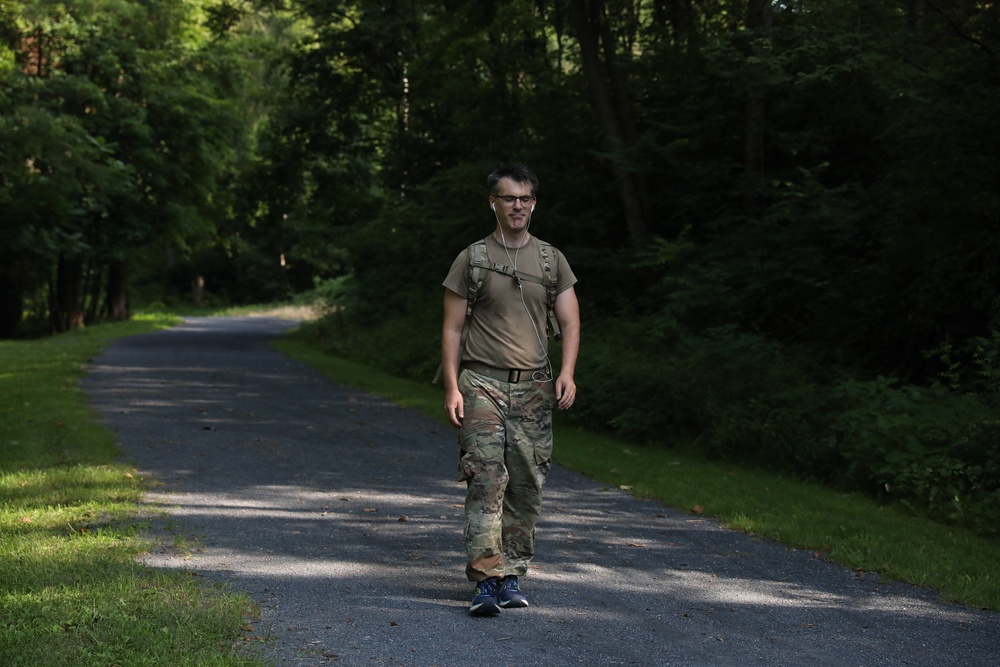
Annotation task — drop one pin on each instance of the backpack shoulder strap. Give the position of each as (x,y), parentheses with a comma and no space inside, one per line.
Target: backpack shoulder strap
(478,265)
(550,280)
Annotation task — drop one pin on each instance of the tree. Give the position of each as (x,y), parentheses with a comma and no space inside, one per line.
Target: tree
(119,134)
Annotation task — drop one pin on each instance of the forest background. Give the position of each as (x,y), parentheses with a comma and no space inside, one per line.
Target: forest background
(784,216)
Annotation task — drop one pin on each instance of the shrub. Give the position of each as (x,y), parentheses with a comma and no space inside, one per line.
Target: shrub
(735,395)
(932,449)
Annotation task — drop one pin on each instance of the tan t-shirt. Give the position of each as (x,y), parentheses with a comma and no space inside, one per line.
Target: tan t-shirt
(504,330)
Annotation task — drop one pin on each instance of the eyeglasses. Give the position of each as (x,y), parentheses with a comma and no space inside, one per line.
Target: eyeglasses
(508,200)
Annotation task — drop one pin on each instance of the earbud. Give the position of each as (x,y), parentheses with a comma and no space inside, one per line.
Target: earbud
(494,207)
(532,208)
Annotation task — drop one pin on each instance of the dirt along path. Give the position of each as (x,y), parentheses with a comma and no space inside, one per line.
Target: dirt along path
(340,514)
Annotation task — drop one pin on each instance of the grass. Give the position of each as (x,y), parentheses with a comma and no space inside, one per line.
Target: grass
(849,529)
(71,589)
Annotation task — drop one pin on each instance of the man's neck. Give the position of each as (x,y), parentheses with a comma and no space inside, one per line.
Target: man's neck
(518,241)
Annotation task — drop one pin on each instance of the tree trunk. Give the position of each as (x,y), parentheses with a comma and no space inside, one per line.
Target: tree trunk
(758,21)
(66,300)
(631,133)
(93,289)
(116,297)
(11,304)
(587,35)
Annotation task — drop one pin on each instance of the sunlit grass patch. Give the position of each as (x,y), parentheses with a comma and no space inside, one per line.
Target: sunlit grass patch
(112,611)
(71,587)
(41,489)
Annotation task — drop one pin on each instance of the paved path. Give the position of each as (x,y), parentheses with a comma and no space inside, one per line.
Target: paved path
(338,512)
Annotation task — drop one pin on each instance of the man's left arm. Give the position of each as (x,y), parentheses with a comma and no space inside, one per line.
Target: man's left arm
(568,313)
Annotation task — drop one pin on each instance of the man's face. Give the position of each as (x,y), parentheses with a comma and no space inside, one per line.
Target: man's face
(513,216)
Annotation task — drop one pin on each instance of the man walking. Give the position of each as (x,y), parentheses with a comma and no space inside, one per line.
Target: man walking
(499,387)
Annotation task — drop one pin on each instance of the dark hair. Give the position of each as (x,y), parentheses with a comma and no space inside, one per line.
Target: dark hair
(515,171)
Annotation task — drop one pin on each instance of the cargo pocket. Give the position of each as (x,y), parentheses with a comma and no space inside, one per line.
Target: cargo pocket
(542,428)
(543,456)
(469,462)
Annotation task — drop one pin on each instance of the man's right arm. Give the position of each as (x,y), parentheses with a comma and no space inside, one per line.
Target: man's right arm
(455,307)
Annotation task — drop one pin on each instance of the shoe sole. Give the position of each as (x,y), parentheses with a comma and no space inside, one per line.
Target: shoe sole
(485,609)
(514,604)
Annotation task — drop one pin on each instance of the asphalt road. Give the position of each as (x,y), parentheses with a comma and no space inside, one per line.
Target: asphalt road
(338,512)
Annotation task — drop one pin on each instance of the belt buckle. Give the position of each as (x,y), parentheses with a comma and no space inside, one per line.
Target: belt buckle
(514,376)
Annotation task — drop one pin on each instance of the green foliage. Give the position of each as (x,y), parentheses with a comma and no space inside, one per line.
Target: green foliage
(123,127)
(408,345)
(739,396)
(986,356)
(935,450)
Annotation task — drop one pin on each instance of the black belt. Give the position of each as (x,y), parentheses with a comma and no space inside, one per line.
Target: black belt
(511,375)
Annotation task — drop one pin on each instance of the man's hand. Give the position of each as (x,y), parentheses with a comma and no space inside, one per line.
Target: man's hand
(565,391)
(454,407)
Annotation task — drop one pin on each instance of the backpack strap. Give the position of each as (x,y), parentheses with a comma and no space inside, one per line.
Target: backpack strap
(550,281)
(479,263)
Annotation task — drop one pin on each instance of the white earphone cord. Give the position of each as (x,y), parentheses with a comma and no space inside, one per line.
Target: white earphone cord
(537,376)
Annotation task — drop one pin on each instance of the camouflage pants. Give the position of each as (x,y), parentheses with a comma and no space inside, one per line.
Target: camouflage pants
(506,442)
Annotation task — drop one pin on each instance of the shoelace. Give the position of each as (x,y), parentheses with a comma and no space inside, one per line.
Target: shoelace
(510,584)
(488,586)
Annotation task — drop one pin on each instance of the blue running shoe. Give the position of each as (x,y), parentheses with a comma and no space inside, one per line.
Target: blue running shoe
(484,603)
(510,595)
